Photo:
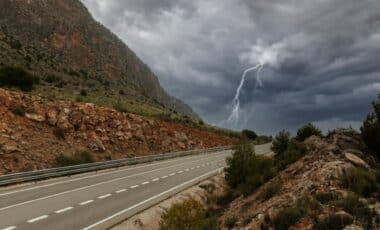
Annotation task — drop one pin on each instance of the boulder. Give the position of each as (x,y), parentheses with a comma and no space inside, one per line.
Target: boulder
(338,220)
(353,227)
(355,160)
(35,117)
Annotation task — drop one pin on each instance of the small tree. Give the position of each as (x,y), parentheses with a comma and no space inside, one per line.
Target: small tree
(307,131)
(281,142)
(370,130)
(249,134)
(17,77)
(238,165)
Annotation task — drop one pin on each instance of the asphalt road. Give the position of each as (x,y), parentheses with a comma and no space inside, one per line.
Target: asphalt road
(101,200)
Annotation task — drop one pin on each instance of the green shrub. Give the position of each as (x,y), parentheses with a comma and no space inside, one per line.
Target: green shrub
(230,221)
(246,171)
(17,77)
(354,206)
(270,190)
(370,130)
(360,181)
(81,157)
(287,218)
(187,215)
(83,92)
(249,134)
(307,131)
(326,197)
(294,151)
(18,110)
(51,78)
(120,107)
(281,142)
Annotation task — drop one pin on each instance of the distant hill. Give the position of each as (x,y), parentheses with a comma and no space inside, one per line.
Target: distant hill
(79,59)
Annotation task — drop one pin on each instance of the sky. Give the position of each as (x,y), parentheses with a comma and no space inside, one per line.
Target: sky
(321,58)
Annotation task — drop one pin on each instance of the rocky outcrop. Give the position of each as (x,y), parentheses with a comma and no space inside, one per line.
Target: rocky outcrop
(34,131)
(319,171)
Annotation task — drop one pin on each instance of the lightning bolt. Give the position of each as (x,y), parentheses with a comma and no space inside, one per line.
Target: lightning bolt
(234,116)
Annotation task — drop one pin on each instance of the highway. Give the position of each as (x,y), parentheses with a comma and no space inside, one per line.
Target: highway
(101,200)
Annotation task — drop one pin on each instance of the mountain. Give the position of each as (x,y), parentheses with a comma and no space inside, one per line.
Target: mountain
(77,58)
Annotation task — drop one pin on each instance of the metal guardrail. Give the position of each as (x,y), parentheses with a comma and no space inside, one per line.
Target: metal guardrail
(76,169)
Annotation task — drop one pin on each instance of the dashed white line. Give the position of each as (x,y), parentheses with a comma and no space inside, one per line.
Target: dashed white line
(163,177)
(187,170)
(198,167)
(105,196)
(86,202)
(134,186)
(121,190)
(63,210)
(37,219)
(156,179)
(171,174)
(10,228)
(145,182)
(179,172)
(192,168)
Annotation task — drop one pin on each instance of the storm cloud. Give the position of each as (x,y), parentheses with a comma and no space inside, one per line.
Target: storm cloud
(322,57)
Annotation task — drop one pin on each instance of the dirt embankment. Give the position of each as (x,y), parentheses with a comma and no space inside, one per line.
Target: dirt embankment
(34,131)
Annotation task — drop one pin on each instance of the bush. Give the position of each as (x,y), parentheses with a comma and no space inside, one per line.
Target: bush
(246,171)
(307,131)
(187,215)
(81,157)
(83,92)
(270,190)
(17,77)
(370,131)
(360,181)
(249,134)
(354,206)
(230,221)
(293,153)
(287,218)
(19,111)
(326,197)
(281,142)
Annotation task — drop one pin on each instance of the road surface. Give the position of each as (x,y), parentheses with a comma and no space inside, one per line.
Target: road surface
(101,200)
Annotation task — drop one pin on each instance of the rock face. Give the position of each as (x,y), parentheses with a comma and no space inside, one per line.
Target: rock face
(319,171)
(49,128)
(61,42)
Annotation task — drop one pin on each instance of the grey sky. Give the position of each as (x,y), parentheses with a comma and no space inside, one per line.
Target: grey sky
(322,56)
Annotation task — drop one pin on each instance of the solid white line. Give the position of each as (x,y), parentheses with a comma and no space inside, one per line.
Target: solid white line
(163,177)
(63,210)
(10,228)
(121,190)
(145,182)
(104,196)
(150,199)
(86,202)
(93,185)
(134,186)
(38,218)
(102,174)
(155,179)
(171,174)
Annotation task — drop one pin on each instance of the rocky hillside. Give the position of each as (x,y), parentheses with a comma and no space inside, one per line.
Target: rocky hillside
(311,192)
(35,131)
(60,42)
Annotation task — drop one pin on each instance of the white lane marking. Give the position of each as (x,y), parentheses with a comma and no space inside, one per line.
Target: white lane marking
(86,202)
(63,210)
(171,174)
(104,196)
(145,182)
(198,167)
(37,219)
(106,173)
(121,190)
(187,170)
(151,198)
(10,228)
(155,179)
(163,177)
(134,186)
(179,172)
(192,168)
(93,185)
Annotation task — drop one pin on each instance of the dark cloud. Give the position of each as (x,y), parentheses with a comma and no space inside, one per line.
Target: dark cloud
(321,56)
